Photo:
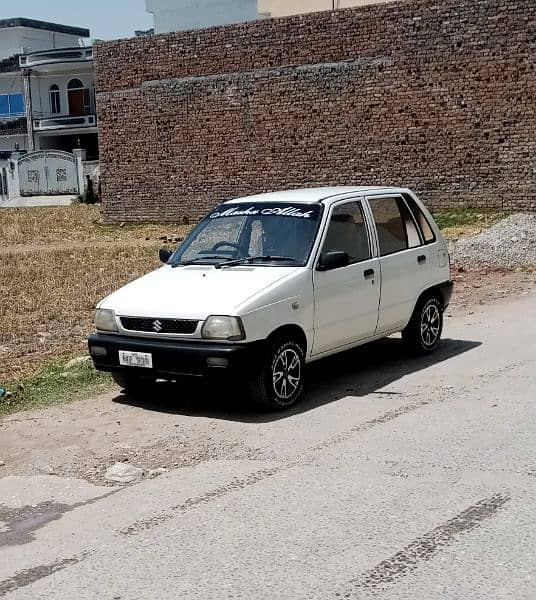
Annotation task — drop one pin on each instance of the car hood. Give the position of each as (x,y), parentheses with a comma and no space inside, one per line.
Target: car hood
(193,292)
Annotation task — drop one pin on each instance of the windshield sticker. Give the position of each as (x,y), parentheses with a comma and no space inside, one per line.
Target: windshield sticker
(279,211)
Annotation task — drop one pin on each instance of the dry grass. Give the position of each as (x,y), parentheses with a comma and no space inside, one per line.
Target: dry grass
(55,264)
(72,224)
(48,299)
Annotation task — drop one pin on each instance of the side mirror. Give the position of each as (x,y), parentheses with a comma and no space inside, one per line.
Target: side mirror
(333,260)
(165,255)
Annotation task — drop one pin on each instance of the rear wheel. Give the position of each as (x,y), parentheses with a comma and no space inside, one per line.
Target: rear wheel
(423,333)
(279,383)
(132,383)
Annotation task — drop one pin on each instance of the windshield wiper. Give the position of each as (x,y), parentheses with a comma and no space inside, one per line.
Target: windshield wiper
(196,261)
(251,259)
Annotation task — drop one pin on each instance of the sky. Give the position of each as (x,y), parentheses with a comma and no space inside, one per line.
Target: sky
(106,19)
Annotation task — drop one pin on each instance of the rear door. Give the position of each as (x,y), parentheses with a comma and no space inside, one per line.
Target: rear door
(347,298)
(404,260)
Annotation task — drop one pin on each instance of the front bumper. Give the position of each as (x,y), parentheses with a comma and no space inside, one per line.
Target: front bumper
(172,358)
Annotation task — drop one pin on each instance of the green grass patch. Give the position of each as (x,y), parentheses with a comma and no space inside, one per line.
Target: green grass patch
(466,222)
(467,216)
(54,384)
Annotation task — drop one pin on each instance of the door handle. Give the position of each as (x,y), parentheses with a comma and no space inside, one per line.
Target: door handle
(422,259)
(369,274)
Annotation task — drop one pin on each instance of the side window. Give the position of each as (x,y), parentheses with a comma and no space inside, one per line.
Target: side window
(347,232)
(4,105)
(11,105)
(55,99)
(395,225)
(428,234)
(16,104)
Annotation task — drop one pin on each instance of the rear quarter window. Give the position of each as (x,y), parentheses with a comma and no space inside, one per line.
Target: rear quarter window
(427,232)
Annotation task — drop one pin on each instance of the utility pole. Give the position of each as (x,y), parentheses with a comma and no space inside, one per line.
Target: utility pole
(26,74)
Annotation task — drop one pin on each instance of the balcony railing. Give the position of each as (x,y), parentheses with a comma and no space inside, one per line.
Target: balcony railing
(61,55)
(65,123)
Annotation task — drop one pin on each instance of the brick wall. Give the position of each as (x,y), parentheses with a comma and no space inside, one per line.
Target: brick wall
(437,96)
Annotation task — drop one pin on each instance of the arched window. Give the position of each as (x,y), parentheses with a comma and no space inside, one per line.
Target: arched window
(79,98)
(55,99)
(75,84)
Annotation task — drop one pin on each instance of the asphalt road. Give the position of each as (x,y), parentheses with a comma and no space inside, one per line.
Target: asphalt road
(396,479)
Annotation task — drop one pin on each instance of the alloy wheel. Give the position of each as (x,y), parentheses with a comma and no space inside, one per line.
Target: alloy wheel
(430,324)
(286,373)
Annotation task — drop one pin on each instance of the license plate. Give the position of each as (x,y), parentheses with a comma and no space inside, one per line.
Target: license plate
(135,359)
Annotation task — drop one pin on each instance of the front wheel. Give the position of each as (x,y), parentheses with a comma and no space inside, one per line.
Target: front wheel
(279,383)
(423,333)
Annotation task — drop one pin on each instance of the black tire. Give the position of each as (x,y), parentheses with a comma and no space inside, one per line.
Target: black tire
(284,357)
(132,383)
(423,333)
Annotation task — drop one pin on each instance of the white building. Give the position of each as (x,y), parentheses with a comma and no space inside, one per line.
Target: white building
(21,36)
(285,8)
(60,91)
(180,15)
(47,97)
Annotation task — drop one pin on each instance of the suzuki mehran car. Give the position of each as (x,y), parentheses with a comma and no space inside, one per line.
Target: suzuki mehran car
(266,284)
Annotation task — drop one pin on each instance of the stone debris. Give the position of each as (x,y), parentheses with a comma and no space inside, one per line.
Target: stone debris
(509,244)
(156,472)
(171,238)
(77,362)
(46,469)
(123,473)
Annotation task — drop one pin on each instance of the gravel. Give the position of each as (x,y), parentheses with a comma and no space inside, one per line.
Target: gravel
(509,244)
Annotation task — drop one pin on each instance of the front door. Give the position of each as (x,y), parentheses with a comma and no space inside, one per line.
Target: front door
(76,103)
(347,298)
(405,261)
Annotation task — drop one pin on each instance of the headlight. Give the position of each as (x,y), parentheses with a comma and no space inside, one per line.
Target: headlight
(223,328)
(105,320)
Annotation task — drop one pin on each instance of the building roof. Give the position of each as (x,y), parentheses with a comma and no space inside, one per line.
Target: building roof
(313,195)
(35,24)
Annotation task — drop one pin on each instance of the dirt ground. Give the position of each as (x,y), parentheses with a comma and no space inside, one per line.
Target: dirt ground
(474,288)
(82,439)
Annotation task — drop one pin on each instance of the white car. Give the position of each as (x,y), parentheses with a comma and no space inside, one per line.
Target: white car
(265,284)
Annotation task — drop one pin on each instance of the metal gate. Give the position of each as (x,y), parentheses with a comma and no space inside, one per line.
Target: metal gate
(48,172)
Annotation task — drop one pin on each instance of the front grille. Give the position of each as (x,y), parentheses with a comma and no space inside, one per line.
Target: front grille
(179,326)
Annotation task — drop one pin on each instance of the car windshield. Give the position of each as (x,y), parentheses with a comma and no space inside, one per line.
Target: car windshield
(275,234)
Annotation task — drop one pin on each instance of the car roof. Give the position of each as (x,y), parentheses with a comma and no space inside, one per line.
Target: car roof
(315,195)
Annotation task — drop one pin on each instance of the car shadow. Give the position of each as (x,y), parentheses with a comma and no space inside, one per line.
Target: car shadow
(357,372)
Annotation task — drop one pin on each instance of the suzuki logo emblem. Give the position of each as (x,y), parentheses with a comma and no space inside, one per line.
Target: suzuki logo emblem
(157,326)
